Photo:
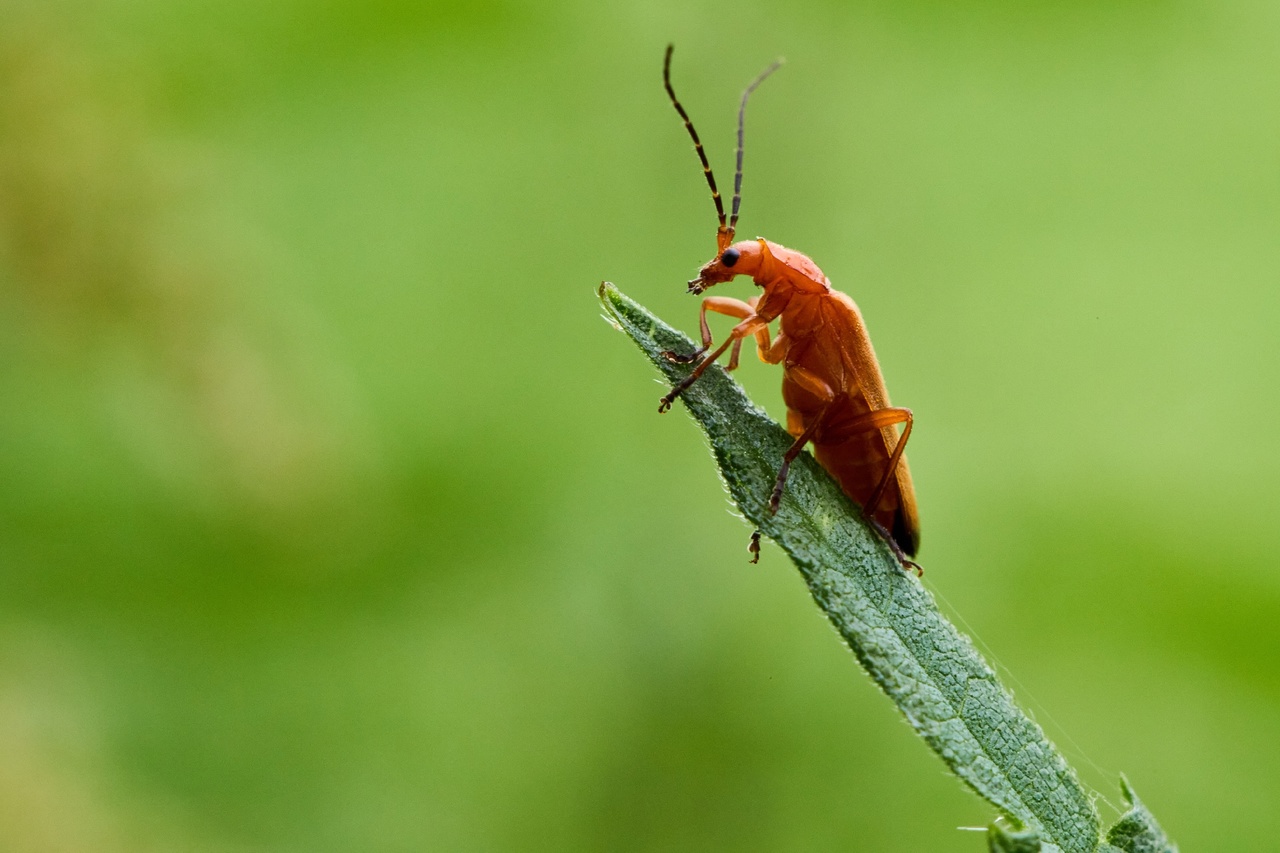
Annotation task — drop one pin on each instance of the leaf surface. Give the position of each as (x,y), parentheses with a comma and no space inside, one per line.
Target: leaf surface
(931,671)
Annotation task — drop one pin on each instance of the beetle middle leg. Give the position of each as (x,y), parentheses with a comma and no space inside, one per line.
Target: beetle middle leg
(812,383)
(787,458)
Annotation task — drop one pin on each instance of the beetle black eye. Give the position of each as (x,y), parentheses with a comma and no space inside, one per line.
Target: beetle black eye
(730,257)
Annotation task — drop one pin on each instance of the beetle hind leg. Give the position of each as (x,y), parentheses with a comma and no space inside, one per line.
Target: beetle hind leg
(878,420)
(903,560)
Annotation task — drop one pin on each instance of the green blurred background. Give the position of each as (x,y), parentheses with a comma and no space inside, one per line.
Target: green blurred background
(333,518)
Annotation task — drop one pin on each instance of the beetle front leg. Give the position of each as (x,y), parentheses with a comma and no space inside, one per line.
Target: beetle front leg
(747,327)
(720,305)
(664,405)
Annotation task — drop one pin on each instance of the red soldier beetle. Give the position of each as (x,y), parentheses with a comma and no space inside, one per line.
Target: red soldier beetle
(831,382)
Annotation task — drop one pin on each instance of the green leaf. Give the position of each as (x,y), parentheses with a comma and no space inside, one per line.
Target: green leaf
(1137,831)
(928,668)
(1001,839)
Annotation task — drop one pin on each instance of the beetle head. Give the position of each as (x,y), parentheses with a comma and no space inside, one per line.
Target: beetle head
(742,258)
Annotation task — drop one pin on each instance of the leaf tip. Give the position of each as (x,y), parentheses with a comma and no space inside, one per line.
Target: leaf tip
(609,293)
(1127,790)
(1137,831)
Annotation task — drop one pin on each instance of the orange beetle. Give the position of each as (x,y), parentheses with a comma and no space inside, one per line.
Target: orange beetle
(831,383)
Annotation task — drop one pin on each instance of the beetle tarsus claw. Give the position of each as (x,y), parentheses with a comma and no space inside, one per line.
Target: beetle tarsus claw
(672,355)
(754,547)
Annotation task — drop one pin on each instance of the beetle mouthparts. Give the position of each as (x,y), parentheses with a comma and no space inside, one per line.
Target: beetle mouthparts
(697,285)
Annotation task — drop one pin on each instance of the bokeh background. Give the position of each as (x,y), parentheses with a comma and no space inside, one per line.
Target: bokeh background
(333,518)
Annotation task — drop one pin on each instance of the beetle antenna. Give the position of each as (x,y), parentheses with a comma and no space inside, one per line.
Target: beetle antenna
(697,146)
(742,115)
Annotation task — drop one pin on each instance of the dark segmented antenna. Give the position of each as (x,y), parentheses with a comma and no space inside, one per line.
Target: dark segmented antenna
(742,115)
(724,235)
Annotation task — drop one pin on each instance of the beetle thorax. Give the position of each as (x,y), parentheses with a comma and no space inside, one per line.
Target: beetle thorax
(786,267)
